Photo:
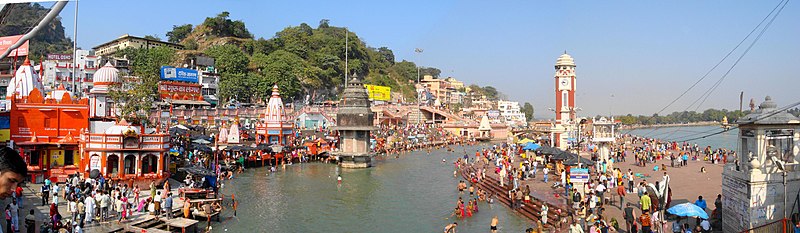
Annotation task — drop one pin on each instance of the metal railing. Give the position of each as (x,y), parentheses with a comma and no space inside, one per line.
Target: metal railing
(783,225)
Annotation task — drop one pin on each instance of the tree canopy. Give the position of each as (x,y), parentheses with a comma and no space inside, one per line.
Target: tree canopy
(18,18)
(682,117)
(144,64)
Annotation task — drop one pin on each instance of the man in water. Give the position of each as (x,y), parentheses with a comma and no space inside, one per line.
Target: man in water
(493,225)
(451,228)
(339,179)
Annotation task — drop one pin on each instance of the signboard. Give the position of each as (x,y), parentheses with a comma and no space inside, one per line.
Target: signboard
(178,88)
(7,41)
(579,175)
(94,162)
(59,57)
(178,74)
(381,93)
(5,135)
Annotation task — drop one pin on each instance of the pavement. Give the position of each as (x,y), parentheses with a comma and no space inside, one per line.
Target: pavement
(32,200)
(687,184)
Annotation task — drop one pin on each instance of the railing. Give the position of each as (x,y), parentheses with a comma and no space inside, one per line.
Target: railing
(783,225)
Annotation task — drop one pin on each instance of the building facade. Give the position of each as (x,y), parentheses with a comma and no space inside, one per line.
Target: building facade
(128,41)
(510,112)
(58,69)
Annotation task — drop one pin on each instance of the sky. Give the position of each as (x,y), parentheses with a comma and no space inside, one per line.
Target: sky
(632,57)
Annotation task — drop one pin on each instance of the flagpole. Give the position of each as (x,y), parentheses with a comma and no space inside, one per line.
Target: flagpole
(346,70)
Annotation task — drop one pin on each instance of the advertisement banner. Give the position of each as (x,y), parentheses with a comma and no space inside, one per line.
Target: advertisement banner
(175,88)
(381,93)
(7,41)
(178,74)
(59,57)
(5,135)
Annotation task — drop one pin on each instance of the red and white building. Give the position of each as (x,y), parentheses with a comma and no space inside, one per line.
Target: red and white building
(59,135)
(564,129)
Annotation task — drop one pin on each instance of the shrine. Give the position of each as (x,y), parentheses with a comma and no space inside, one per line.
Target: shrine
(275,128)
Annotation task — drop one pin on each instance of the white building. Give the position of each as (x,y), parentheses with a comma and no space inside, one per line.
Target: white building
(510,112)
(58,70)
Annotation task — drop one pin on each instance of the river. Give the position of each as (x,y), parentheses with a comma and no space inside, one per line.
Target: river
(726,140)
(413,193)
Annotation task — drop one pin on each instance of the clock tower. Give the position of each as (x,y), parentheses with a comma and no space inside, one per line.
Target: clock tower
(565,97)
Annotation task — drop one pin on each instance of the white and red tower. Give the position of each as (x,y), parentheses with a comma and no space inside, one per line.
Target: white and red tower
(565,99)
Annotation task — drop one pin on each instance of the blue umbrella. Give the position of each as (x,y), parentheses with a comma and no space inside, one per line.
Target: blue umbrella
(531,146)
(688,210)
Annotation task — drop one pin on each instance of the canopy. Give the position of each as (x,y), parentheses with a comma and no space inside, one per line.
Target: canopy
(201,141)
(181,127)
(525,141)
(563,156)
(688,210)
(195,170)
(548,150)
(576,159)
(531,146)
(203,148)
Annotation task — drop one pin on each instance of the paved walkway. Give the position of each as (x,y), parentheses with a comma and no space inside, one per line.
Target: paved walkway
(687,184)
(32,200)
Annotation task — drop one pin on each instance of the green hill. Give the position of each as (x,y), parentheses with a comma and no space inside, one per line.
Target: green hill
(19,18)
(300,59)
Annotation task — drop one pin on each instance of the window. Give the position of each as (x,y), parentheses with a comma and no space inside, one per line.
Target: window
(21,122)
(47,122)
(564,99)
(782,140)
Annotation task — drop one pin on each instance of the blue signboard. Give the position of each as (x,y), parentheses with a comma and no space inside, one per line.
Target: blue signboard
(178,74)
(5,122)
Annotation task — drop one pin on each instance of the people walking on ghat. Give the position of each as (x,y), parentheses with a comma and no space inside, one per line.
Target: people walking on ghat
(45,190)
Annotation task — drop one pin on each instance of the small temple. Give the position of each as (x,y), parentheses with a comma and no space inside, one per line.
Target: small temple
(354,121)
(275,128)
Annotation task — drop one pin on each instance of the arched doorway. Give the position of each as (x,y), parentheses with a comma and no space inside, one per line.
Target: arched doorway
(130,164)
(149,164)
(112,164)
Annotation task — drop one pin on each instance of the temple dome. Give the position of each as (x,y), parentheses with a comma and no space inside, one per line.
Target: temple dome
(104,77)
(275,111)
(565,60)
(123,128)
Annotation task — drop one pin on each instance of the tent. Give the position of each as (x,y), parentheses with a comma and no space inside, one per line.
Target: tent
(548,150)
(525,141)
(201,141)
(531,146)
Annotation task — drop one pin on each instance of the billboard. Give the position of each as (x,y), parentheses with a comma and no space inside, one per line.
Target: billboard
(178,74)
(59,57)
(493,113)
(381,93)
(7,41)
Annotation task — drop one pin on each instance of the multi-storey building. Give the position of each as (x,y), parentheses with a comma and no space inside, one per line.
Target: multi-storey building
(510,112)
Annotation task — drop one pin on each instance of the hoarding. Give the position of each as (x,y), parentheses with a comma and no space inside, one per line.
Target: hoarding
(59,57)
(7,41)
(169,90)
(178,74)
(381,93)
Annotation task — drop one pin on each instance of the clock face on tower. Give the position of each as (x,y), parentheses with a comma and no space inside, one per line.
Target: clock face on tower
(564,83)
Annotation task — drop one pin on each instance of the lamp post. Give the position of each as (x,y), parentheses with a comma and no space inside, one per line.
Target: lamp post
(419,95)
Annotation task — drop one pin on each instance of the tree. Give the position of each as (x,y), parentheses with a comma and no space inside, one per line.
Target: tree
(137,100)
(152,37)
(432,71)
(527,108)
(223,27)
(179,33)
(234,78)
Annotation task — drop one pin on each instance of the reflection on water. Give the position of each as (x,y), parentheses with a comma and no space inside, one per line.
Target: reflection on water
(413,193)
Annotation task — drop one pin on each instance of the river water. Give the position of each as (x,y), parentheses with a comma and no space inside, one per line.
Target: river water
(726,139)
(413,193)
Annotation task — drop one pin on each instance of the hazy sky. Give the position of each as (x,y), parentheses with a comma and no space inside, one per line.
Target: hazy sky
(644,53)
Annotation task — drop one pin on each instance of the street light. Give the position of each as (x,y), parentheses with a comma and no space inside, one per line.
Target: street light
(419,95)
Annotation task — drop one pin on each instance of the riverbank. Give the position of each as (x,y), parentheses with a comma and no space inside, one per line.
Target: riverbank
(702,123)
